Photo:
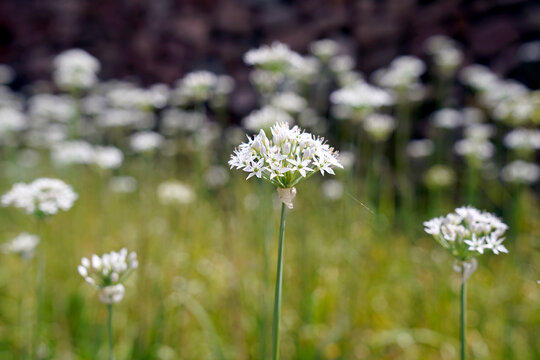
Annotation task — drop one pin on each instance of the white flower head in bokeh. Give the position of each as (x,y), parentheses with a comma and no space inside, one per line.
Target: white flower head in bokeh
(75,69)
(265,118)
(42,197)
(108,273)
(175,193)
(23,245)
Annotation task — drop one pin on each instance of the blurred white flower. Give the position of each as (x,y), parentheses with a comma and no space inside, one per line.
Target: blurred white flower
(108,273)
(439,177)
(324,49)
(289,102)
(23,245)
(447,118)
(266,117)
(145,141)
(468,232)
(479,131)
(473,115)
(44,108)
(41,197)
(379,126)
(402,73)
(175,193)
(107,157)
(276,57)
(523,140)
(446,54)
(75,69)
(176,120)
(123,184)
(478,77)
(72,152)
(216,176)
(362,96)
(521,172)
(347,159)
(474,149)
(118,118)
(11,120)
(342,63)
(332,189)
(421,148)
(197,86)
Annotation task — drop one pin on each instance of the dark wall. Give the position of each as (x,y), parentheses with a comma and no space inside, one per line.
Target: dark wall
(160,40)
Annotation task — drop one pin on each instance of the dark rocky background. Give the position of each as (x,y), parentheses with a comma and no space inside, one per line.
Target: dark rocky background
(160,40)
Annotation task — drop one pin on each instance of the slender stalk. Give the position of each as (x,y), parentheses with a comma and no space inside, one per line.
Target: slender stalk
(463,312)
(110,330)
(279,281)
(40,279)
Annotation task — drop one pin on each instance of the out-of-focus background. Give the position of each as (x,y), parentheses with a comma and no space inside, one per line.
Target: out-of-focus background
(161,40)
(138,105)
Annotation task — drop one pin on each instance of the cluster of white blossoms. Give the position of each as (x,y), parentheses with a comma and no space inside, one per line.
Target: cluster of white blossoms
(403,73)
(23,245)
(146,141)
(447,118)
(82,152)
(175,193)
(291,156)
(289,101)
(324,49)
(11,120)
(275,57)
(108,272)
(45,108)
(201,86)
(75,69)
(266,117)
(468,232)
(379,126)
(445,52)
(439,177)
(523,140)
(42,197)
(362,95)
(521,172)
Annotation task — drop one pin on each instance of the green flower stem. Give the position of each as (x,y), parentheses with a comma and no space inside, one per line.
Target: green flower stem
(40,280)
(279,282)
(110,331)
(463,311)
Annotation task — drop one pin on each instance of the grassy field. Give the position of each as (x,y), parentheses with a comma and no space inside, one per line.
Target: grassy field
(355,287)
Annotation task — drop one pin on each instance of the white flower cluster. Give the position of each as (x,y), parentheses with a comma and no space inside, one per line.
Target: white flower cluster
(288,158)
(175,193)
(81,152)
(23,245)
(361,96)
(445,52)
(275,57)
(521,172)
(41,197)
(75,69)
(201,86)
(266,117)
(468,232)
(11,120)
(289,101)
(474,150)
(523,140)
(324,49)
(146,141)
(108,273)
(447,118)
(129,96)
(403,73)
(44,108)
(379,126)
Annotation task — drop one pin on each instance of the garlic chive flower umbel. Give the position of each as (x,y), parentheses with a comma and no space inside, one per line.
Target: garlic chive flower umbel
(291,156)
(108,272)
(42,197)
(467,233)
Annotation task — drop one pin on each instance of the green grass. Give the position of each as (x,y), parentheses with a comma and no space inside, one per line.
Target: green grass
(355,285)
